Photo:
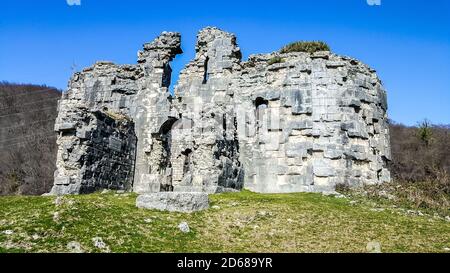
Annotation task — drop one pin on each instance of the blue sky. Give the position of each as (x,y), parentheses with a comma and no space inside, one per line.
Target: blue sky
(407,42)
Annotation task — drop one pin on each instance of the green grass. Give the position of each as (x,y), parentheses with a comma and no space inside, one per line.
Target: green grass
(304,46)
(275,60)
(244,222)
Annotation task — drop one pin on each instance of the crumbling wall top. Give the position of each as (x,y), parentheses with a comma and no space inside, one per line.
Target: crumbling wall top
(167,45)
(210,37)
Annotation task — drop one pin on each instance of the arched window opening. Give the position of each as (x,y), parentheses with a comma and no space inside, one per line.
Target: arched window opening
(260,105)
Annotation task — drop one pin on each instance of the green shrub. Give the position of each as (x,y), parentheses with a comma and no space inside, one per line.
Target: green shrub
(431,195)
(303,46)
(425,132)
(275,60)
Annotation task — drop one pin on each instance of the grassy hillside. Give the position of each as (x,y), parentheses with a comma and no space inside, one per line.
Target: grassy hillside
(236,222)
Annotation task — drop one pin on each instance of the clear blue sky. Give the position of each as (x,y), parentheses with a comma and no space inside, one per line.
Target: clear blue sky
(407,42)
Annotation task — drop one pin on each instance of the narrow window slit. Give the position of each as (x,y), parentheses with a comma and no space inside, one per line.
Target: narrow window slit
(205,73)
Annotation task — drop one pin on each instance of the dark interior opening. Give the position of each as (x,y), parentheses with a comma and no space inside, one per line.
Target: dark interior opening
(187,160)
(261,101)
(167,76)
(224,122)
(167,126)
(205,73)
(186,152)
(164,135)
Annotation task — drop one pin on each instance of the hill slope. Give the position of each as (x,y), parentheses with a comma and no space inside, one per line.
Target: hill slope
(27,139)
(236,222)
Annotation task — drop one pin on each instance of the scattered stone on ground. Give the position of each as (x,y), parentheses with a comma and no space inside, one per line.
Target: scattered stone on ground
(74,247)
(59,200)
(373,247)
(100,244)
(184,227)
(8,232)
(56,216)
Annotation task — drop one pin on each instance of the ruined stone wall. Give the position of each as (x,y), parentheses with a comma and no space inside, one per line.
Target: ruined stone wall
(313,121)
(96,152)
(83,136)
(153,112)
(205,147)
(110,153)
(306,122)
(137,93)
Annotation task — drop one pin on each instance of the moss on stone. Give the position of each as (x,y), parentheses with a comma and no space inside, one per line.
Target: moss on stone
(275,60)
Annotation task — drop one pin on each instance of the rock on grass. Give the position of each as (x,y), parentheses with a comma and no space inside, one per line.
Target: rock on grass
(74,247)
(184,227)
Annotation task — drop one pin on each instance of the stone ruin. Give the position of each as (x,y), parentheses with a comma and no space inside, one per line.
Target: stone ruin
(305,124)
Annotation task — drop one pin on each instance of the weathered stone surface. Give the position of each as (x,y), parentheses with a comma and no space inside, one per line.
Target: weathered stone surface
(174,201)
(307,124)
(106,119)
(74,247)
(102,159)
(373,247)
(100,244)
